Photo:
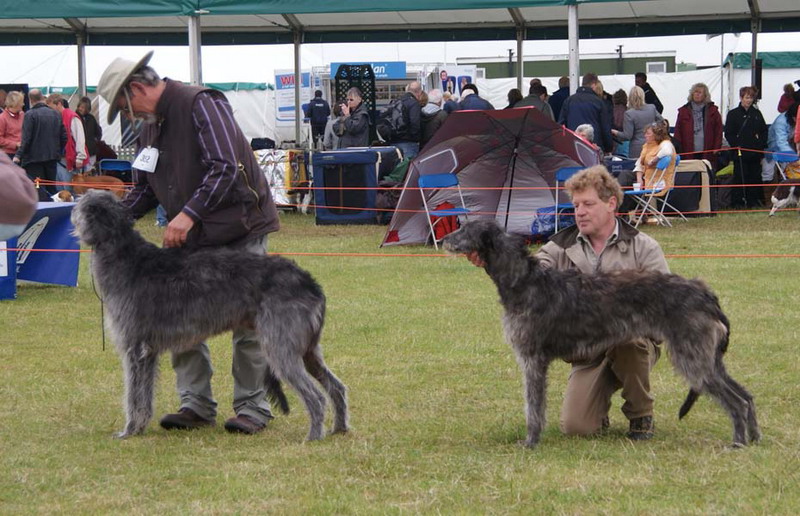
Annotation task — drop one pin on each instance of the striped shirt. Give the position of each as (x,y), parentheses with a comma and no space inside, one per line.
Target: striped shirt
(215,127)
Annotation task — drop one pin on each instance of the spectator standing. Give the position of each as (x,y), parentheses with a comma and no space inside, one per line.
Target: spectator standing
(433,116)
(11,120)
(650,96)
(745,128)
(559,96)
(536,98)
(787,99)
(587,107)
(75,152)
(514,96)
(91,129)
(698,127)
(636,119)
(42,144)
(318,111)
(331,140)
(203,171)
(471,100)
(408,137)
(449,102)
(353,125)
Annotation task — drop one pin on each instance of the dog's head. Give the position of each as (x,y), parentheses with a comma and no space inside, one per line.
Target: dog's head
(485,238)
(62,196)
(100,217)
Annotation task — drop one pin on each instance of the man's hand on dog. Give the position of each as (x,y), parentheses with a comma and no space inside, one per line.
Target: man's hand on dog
(177,229)
(475,259)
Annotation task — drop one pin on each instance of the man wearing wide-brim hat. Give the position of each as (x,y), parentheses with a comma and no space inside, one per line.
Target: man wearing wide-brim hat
(193,159)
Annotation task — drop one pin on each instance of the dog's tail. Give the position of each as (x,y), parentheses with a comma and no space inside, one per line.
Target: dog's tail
(722,347)
(688,403)
(275,391)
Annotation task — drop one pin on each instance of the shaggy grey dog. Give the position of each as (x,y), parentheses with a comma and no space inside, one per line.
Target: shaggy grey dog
(551,314)
(171,299)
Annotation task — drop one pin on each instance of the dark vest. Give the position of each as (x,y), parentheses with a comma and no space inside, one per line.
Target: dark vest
(247,210)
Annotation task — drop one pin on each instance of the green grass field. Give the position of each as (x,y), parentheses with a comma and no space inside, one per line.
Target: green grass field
(435,397)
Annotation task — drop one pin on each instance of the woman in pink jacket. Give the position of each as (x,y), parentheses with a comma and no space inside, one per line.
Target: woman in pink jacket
(11,123)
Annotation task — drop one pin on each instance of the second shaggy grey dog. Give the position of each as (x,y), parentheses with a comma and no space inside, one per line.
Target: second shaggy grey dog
(551,314)
(170,299)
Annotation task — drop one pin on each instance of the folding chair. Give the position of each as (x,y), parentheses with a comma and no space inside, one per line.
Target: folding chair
(431,181)
(782,160)
(643,197)
(663,200)
(562,174)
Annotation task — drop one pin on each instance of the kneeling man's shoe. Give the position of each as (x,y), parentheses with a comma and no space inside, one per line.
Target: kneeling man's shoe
(641,429)
(244,424)
(184,419)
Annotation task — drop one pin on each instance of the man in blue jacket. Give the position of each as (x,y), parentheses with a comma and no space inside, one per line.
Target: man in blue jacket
(559,96)
(471,100)
(586,107)
(318,111)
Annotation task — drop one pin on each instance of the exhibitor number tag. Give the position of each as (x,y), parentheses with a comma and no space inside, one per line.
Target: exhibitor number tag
(146,160)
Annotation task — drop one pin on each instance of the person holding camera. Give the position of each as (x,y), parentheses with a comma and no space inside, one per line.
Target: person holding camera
(353,125)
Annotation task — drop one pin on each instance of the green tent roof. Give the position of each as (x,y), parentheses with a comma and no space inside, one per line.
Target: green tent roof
(231,22)
(768,59)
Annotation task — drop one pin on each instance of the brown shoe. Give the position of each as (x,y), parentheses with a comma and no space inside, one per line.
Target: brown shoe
(244,424)
(185,419)
(642,428)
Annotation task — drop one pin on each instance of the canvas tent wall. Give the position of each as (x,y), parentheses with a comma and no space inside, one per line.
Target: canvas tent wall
(505,161)
(253,107)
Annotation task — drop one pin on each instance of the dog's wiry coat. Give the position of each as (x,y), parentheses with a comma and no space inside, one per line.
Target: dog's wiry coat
(551,314)
(171,299)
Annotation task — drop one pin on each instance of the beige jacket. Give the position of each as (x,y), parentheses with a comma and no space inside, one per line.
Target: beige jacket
(631,250)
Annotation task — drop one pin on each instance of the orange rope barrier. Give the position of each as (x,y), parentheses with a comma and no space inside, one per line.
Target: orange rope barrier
(428,255)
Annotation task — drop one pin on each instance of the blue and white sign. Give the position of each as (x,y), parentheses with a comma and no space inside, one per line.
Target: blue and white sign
(384,70)
(284,94)
(49,231)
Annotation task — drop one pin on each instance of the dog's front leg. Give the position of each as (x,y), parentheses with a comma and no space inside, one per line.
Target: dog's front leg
(140,368)
(534,372)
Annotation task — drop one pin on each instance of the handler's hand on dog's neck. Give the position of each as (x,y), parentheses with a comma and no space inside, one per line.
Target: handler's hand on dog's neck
(177,230)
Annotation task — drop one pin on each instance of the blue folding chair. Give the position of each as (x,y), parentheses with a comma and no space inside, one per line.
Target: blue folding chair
(562,174)
(782,159)
(428,184)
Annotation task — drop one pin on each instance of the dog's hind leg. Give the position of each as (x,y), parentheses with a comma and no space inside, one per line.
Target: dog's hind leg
(737,408)
(753,430)
(140,367)
(335,388)
(534,373)
(294,373)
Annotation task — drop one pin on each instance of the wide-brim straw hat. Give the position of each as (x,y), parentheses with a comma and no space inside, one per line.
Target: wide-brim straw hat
(114,78)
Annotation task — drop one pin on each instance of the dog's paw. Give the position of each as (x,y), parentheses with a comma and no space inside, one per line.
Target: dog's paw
(528,443)
(124,434)
(335,431)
